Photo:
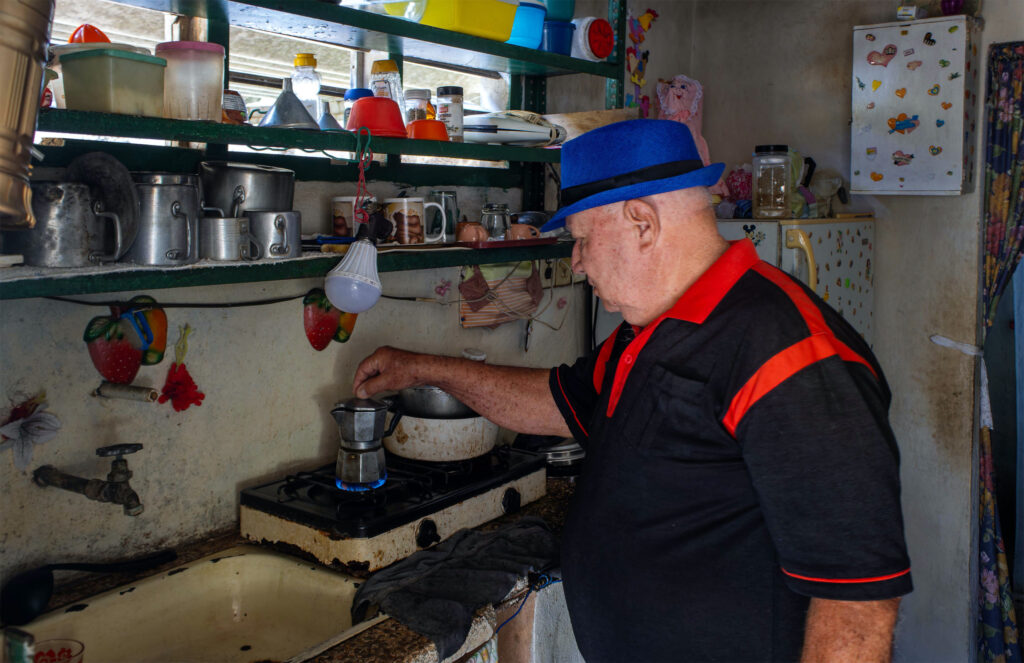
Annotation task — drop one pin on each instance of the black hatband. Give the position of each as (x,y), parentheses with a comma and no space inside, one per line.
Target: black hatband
(659,171)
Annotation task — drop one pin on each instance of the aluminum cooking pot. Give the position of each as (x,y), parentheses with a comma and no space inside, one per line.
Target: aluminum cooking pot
(235,188)
(276,234)
(168,224)
(442,440)
(429,403)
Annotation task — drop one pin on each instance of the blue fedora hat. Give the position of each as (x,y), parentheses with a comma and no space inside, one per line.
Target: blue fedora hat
(628,160)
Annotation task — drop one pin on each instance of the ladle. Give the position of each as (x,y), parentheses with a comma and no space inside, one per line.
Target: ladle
(27,595)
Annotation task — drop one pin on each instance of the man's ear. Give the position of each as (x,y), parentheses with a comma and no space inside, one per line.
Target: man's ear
(643,219)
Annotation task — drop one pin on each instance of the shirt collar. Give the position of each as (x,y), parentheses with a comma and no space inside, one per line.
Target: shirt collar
(708,290)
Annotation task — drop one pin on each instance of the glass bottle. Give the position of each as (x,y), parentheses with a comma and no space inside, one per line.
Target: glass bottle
(306,82)
(418,106)
(770,182)
(385,81)
(449,110)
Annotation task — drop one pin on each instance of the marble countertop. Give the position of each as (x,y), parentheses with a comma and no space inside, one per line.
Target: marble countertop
(385,642)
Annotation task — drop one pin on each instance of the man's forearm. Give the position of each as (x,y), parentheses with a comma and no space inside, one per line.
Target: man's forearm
(849,631)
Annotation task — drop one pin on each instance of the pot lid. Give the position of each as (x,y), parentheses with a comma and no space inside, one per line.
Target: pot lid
(360,405)
(237,165)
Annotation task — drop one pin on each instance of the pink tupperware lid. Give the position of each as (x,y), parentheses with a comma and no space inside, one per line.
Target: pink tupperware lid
(190,46)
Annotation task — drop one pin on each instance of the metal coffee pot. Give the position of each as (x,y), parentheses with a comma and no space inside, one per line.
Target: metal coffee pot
(361,424)
(168,226)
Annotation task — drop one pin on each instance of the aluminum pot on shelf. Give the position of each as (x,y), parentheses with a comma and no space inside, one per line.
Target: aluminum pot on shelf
(235,188)
(169,220)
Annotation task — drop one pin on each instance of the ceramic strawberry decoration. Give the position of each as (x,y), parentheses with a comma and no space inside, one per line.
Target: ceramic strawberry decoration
(323,321)
(111,348)
(149,322)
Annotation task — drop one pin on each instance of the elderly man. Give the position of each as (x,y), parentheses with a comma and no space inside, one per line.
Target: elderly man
(740,499)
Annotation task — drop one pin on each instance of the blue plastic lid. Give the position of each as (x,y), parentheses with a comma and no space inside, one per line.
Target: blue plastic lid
(357,93)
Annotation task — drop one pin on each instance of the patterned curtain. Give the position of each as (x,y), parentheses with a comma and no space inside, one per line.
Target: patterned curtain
(1004,241)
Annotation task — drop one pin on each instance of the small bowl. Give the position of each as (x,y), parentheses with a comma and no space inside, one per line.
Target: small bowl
(378,114)
(427,130)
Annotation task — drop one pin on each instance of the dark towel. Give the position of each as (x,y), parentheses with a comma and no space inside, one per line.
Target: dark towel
(435,592)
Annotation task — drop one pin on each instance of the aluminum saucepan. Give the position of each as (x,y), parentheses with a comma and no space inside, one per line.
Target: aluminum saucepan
(428,402)
(236,188)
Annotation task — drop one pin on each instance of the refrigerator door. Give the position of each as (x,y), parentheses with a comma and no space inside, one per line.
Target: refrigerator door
(842,253)
(764,234)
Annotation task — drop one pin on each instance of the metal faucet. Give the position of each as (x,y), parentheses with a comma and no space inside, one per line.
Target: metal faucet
(115,489)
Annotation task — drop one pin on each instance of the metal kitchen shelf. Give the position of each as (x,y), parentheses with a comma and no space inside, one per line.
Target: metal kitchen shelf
(135,126)
(22,282)
(324,21)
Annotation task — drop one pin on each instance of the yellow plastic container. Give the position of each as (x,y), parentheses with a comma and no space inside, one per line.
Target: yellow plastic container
(491,19)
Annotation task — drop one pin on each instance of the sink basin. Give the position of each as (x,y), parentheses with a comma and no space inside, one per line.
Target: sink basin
(242,604)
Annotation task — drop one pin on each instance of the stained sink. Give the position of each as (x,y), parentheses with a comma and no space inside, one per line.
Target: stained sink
(243,604)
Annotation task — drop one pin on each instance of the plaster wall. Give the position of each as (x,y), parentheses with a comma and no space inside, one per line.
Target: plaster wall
(266,412)
(779,72)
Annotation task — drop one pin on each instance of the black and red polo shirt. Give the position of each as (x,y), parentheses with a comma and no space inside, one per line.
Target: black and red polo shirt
(739,461)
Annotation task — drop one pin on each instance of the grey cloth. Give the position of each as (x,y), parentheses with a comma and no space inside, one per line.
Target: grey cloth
(436,591)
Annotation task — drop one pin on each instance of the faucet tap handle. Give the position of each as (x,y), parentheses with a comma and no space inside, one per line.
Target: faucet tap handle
(118,450)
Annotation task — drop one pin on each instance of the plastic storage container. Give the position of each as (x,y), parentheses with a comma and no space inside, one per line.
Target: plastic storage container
(306,82)
(449,110)
(561,10)
(59,51)
(194,82)
(593,39)
(112,81)
(770,182)
(491,19)
(557,37)
(528,27)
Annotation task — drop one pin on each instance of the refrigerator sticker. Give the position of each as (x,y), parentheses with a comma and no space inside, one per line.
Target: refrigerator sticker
(877,177)
(953,28)
(934,90)
(928,39)
(946,105)
(869,37)
(902,124)
(860,83)
(872,152)
(955,75)
(935,150)
(943,63)
(900,158)
(882,59)
(870,105)
(908,52)
(875,85)
(902,92)
(914,64)
(939,123)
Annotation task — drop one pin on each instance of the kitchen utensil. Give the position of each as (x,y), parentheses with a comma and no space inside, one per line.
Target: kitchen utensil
(26,595)
(227,238)
(194,80)
(495,218)
(361,463)
(288,112)
(528,26)
(327,122)
(111,184)
(108,80)
(59,651)
(521,231)
(168,224)
(430,403)
(71,229)
(380,115)
(22,58)
(60,50)
(278,234)
(557,37)
(470,231)
(427,130)
(407,214)
(442,440)
(449,200)
(240,187)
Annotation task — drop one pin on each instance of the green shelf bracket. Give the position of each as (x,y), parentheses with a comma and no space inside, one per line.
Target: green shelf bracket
(615,86)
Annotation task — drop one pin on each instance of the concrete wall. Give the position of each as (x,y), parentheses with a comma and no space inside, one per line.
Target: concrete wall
(779,72)
(266,412)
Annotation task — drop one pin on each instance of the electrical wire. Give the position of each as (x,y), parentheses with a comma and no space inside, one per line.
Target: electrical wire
(124,304)
(534,587)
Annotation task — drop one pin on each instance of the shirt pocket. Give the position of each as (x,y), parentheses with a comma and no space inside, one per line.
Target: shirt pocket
(681,422)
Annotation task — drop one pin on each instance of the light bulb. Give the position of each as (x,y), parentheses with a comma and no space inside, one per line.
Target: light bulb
(353,286)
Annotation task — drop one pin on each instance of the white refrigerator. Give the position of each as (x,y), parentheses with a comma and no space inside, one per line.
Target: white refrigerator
(835,255)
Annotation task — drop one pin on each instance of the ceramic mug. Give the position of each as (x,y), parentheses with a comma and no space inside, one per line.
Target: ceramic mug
(470,231)
(343,216)
(521,231)
(406,214)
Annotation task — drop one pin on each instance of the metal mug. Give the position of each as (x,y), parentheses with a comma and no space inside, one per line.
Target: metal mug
(227,238)
(278,234)
(71,230)
(168,224)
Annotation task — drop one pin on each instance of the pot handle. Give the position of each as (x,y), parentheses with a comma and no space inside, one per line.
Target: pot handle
(281,226)
(427,239)
(218,210)
(396,417)
(175,254)
(237,198)
(118,238)
(253,250)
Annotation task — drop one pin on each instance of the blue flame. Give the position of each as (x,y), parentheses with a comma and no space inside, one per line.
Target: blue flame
(359,487)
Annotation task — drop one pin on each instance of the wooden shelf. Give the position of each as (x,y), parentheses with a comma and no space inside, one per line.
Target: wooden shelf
(135,126)
(326,22)
(22,282)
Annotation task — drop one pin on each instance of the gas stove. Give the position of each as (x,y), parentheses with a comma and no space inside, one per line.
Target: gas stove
(418,505)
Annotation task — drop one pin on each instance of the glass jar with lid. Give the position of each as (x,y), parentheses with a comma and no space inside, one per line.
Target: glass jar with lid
(449,110)
(418,106)
(495,218)
(770,182)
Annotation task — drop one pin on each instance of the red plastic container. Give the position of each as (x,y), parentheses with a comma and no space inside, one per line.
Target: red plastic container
(378,114)
(427,130)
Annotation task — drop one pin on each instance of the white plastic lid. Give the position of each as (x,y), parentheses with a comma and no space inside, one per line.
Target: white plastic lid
(474,354)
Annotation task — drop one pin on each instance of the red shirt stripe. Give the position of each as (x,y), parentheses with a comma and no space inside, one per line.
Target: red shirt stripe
(602,360)
(849,581)
(558,376)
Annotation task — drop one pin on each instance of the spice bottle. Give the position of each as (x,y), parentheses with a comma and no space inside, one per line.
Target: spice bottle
(306,82)
(770,181)
(418,106)
(449,110)
(385,81)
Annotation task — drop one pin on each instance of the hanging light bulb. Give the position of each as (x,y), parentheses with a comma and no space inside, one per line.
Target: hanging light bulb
(354,286)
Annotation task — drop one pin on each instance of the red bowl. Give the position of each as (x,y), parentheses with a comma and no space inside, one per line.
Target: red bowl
(378,114)
(427,130)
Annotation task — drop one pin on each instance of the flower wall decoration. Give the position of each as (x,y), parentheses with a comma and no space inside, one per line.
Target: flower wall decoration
(26,426)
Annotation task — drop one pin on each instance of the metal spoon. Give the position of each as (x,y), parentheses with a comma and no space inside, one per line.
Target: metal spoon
(27,595)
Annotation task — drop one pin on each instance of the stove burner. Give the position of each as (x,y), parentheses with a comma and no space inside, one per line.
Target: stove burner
(359,487)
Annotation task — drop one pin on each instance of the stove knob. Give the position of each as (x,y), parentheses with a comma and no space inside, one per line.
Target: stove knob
(510,501)
(426,533)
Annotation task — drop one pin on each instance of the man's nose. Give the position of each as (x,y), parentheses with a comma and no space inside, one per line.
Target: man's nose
(577,261)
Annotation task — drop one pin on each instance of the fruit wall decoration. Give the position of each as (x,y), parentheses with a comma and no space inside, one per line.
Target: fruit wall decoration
(130,337)
(323,321)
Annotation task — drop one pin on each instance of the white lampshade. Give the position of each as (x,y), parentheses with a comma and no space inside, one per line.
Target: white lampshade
(353,286)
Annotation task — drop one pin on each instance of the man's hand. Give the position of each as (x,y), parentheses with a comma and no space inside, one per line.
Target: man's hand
(386,369)
(849,631)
